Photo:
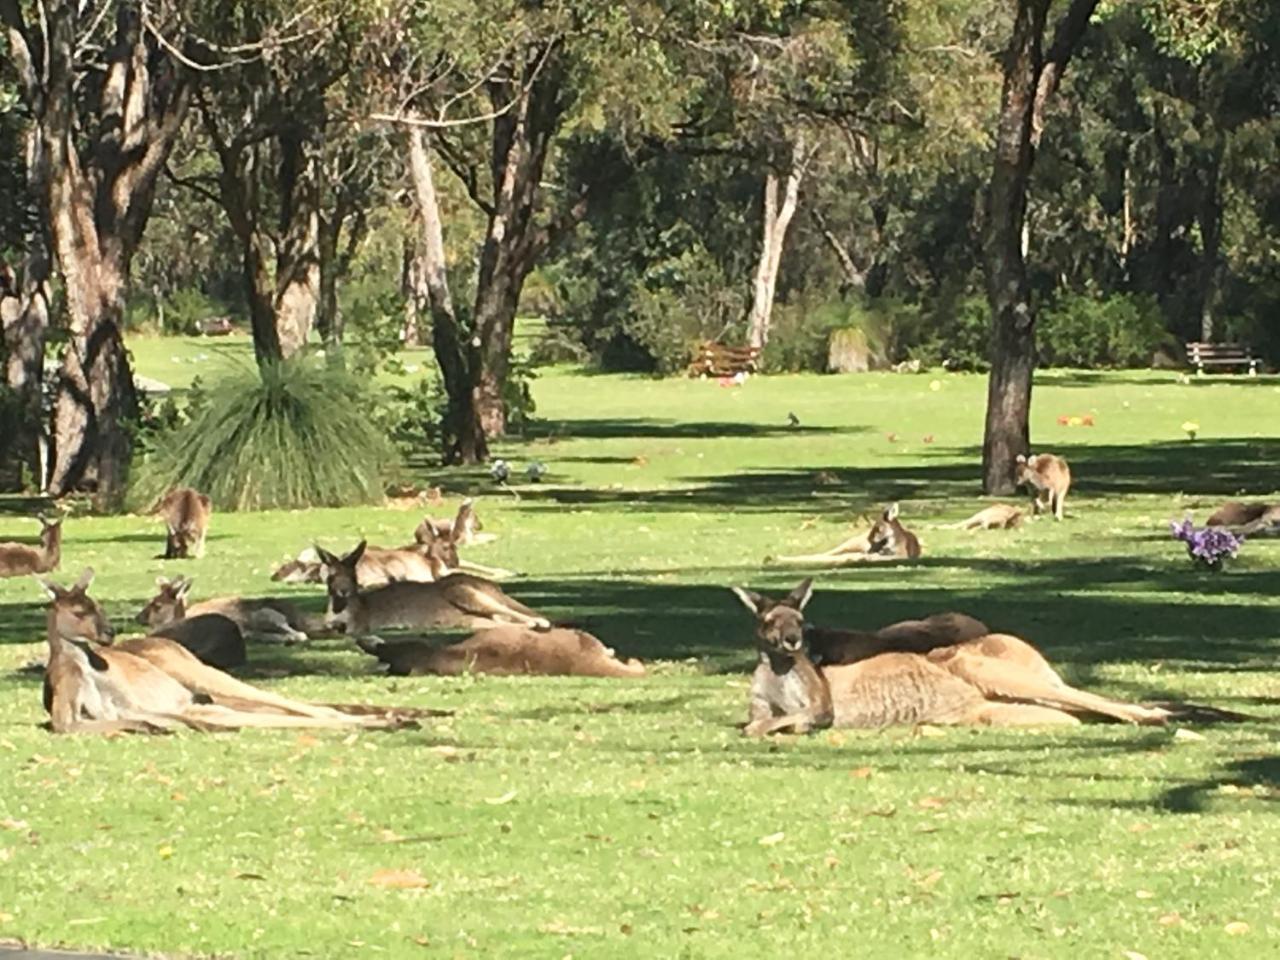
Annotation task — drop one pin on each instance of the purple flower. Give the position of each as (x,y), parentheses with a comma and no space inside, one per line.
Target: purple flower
(1209,546)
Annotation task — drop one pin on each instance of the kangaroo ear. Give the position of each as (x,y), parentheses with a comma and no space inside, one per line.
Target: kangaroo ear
(801,595)
(1021,458)
(751,600)
(162,582)
(52,589)
(425,533)
(86,578)
(205,501)
(327,558)
(891,512)
(354,556)
(181,587)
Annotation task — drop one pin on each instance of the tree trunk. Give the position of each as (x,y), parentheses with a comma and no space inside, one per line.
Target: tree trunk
(1209,220)
(25,318)
(297,294)
(1030,79)
(776,220)
(464,434)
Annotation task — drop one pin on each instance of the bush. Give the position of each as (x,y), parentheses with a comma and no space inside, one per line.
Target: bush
(1123,330)
(957,337)
(800,334)
(294,434)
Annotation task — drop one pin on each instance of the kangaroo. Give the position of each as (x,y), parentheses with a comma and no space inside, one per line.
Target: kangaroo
(503,650)
(833,646)
(186,514)
(996,680)
(464,528)
(1251,518)
(263,619)
(154,685)
(458,600)
(20,559)
(212,638)
(890,540)
(998,516)
(1049,477)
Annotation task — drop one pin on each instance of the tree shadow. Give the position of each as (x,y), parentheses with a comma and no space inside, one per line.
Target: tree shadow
(642,427)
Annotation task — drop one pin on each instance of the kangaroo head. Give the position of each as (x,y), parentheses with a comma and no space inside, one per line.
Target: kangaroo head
(440,549)
(341,580)
(884,532)
(779,624)
(1024,468)
(169,603)
(73,614)
(467,523)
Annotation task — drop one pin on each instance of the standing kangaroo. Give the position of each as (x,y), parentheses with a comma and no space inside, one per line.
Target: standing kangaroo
(262,619)
(996,680)
(153,685)
(1049,478)
(457,600)
(20,559)
(186,514)
(503,650)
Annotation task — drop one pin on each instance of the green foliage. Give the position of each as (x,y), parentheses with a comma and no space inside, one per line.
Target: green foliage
(957,336)
(1079,330)
(294,434)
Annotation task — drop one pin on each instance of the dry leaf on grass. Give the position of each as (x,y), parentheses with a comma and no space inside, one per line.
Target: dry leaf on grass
(499,801)
(399,879)
(1236,928)
(772,839)
(861,773)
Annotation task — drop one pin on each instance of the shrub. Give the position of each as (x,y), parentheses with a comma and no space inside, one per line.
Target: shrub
(295,434)
(956,336)
(800,334)
(1078,330)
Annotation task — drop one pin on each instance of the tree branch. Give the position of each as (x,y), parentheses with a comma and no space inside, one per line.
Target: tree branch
(465,172)
(1066,37)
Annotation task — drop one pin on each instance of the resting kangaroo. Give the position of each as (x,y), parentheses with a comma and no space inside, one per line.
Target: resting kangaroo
(1049,477)
(20,559)
(458,600)
(507,649)
(998,516)
(261,619)
(995,680)
(1251,519)
(152,685)
(186,514)
(887,539)
(829,646)
(464,529)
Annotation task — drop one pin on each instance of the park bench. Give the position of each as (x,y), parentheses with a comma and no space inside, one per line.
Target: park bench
(215,326)
(718,360)
(1201,355)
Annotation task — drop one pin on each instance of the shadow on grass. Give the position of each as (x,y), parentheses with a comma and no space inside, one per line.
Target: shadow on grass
(1107,378)
(642,427)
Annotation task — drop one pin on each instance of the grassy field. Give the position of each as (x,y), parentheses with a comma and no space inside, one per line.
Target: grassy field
(564,817)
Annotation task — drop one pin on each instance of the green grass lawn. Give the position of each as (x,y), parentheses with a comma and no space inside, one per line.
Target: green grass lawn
(566,817)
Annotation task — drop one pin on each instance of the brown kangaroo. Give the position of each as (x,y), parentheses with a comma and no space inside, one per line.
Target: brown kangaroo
(210,637)
(887,539)
(998,516)
(153,685)
(1049,478)
(995,680)
(832,646)
(464,529)
(503,650)
(186,514)
(20,559)
(1251,519)
(458,600)
(261,619)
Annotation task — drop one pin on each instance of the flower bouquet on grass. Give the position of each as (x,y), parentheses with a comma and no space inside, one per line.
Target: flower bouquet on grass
(1210,547)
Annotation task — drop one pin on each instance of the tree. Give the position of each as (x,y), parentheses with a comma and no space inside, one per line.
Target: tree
(1031,76)
(106,98)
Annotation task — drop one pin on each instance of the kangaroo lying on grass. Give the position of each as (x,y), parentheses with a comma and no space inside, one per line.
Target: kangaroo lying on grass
(458,600)
(153,685)
(186,515)
(432,555)
(503,650)
(1049,478)
(998,516)
(995,680)
(20,559)
(1251,519)
(887,539)
(832,646)
(262,619)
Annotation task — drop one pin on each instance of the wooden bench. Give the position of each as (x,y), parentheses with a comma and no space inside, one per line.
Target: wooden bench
(719,360)
(1201,355)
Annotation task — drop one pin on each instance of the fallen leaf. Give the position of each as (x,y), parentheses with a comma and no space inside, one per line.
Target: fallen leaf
(399,879)
(306,740)
(15,825)
(1236,928)
(1134,955)
(772,839)
(250,876)
(1170,920)
(499,801)
(1182,733)
(861,773)
(1145,895)
(165,852)
(931,803)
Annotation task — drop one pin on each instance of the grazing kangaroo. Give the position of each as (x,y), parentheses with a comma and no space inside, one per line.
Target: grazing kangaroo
(504,650)
(995,680)
(20,559)
(998,516)
(262,619)
(186,514)
(1049,477)
(153,685)
(457,600)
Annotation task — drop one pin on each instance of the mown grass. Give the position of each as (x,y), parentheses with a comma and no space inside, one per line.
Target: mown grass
(555,817)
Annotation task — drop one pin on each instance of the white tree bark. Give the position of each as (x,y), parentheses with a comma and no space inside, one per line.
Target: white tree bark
(777,218)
